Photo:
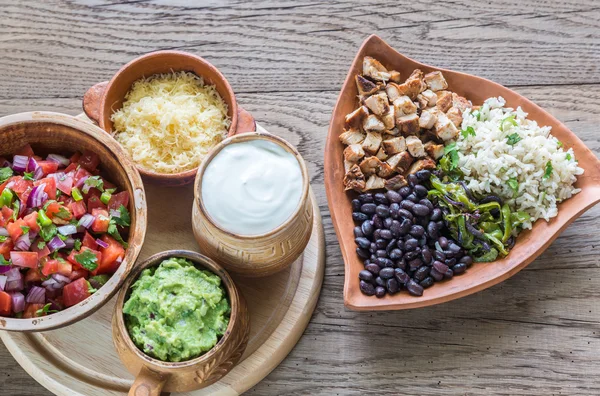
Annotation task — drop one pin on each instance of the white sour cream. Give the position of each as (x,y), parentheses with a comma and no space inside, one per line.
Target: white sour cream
(252,187)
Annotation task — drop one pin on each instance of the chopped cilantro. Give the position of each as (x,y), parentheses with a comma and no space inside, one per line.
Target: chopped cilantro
(48,232)
(113,232)
(87,259)
(548,170)
(513,184)
(93,181)
(569,157)
(476,114)
(91,289)
(63,214)
(508,120)
(5,174)
(45,310)
(452,152)
(77,244)
(124,219)
(62,237)
(25,229)
(559,144)
(3,238)
(41,245)
(466,132)
(513,139)
(28,176)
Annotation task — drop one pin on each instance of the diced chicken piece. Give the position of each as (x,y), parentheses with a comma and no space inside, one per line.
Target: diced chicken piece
(404,162)
(389,119)
(393,132)
(374,69)
(427,119)
(385,171)
(444,100)
(370,165)
(395,183)
(435,81)
(408,124)
(395,159)
(381,154)
(352,136)
(393,91)
(354,119)
(415,147)
(354,153)
(395,145)
(430,96)
(455,115)
(460,102)
(365,87)
(421,101)
(372,142)
(435,151)
(378,103)
(404,106)
(373,123)
(348,165)
(395,76)
(354,179)
(425,163)
(374,182)
(444,128)
(413,85)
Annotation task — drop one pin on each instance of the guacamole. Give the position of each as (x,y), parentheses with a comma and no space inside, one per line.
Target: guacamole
(175,311)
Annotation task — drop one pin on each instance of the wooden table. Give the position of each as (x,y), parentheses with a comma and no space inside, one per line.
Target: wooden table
(537,333)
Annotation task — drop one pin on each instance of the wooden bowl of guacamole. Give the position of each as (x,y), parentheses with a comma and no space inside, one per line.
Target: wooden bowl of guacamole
(180,323)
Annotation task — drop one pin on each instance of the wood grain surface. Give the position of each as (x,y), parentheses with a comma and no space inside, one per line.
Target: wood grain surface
(536,333)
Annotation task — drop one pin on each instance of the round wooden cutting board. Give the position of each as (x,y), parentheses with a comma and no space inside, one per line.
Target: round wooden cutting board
(80,359)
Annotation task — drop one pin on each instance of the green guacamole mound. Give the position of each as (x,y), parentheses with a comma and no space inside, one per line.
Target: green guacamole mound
(175,311)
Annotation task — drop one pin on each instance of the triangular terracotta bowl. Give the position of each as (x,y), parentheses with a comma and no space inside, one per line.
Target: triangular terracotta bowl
(530,244)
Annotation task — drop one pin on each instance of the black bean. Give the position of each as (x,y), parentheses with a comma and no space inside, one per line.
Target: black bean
(358,232)
(363,243)
(381,253)
(367,228)
(448,274)
(406,214)
(372,258)
(414,288)
(359,217)
(386,234)
(384,262)
(435,274)
(392,286)
(411,244)
(380,291)
(382,211)
(427,282)
(468,260)
(377,221)
(440,224)
(365,198)
(427,203)
(394,208)
(439,255)
(400,244)
(407,204)
(459,268)
(401,276)
(426,256)
(381,243)
(387,222)
(356,205)
(373,268)
(394,196)
(396,228)
(401,264)
(422,273)
(368,208)
(423,175)
(453,247)
(413,198)
(380,198)
(396,254)
(390,246)
(386,273)
(367,262)
(440,267)
(443,241)
(415,263)
(417,231)
(412,179)
(432,230)
(423,241)
(420,210)
(379,281)
(412,255)
(405,226)
(450,262)
(376,233)
(436,214)
(367,288)
(421,191)
(366,276)
(405,191)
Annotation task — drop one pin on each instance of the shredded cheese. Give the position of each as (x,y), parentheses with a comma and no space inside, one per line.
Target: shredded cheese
(169,122)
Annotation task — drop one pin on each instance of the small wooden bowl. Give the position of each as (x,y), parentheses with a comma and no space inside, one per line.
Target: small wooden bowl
(104,98)
(254,255)
(152,375)
(59,133)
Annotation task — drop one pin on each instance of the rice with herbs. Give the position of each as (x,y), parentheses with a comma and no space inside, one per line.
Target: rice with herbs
(514,158)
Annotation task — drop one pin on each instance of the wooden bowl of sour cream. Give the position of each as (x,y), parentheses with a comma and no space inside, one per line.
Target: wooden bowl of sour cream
(252,212)
(153,375)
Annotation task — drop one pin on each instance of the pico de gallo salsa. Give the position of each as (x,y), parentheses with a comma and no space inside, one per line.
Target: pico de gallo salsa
(62,228)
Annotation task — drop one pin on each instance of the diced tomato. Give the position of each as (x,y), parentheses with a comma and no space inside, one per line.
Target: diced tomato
(64,268)
(89,160)
(5,304)
(43,252)
(71,257)
(22,188)
(54,208)
(24,259)
(14,229)
(33,275)
(94,203)
(25,150)
(50,188)
(81,173)
(31,221)
(5,216)
(75,157)
(50,267)
(89,241)
(6,247)
(48,167)
(78,208)
(77,273)
(100,224)
(75,292)
(116,200)
(108,185)
(71,168)
(64,183)
(111,256)
(31,311)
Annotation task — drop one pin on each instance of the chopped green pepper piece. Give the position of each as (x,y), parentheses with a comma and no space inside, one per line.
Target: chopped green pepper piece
(43,219)
(507,223)
(6,197)
(105,197)
(76,194)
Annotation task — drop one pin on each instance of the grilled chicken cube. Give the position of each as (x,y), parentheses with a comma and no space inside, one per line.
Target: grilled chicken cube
(415,147)
(385,170)
(404,161)
(381,154)
(393,132)
(354,153)
(425,163)
(373,123)
(352,136)
(372,142)
(348,165)
(389,119)
(455,115)
(395,159)
(374,69)
(395,183)
(427,119)
(430,96)
(444,128)
(365,87)
(395,145)
(460,102)
(413,85)
(370,165)
(354,119)
(374,183)
(421,101)
(444,100)
(395,76)
(404,106)
(393,91)
(435,151)
(408,124)
(435,81)
(378,103)
(354,179)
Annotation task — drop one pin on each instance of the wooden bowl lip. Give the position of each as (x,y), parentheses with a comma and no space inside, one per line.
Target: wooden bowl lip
(184,177)
(241,138)
(198,259)
(137,234)
(359,302)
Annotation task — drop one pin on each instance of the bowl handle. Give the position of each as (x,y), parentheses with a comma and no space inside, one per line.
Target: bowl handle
(92,99)
(245,122)
(148,383)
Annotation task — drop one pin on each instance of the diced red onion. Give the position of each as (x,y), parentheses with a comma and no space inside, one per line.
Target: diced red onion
(86,220)
(37,197)
(22,208)
(4,269)
(23,242)
(55,305)
(39,173)
(14,274)
(32,235)
(49,282)
(32,165)
(55,244)
(59,159)
(36,295)
(16,285)
(81,182)
(69,243)
(61,278)
(18,302)
(114,213)
(6,164)
(3,231)
(20,163)
(68,229)
(3,282)
(52,285)
(101,243)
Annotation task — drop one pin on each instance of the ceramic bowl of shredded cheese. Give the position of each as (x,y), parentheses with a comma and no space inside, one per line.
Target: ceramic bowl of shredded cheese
(168,109)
